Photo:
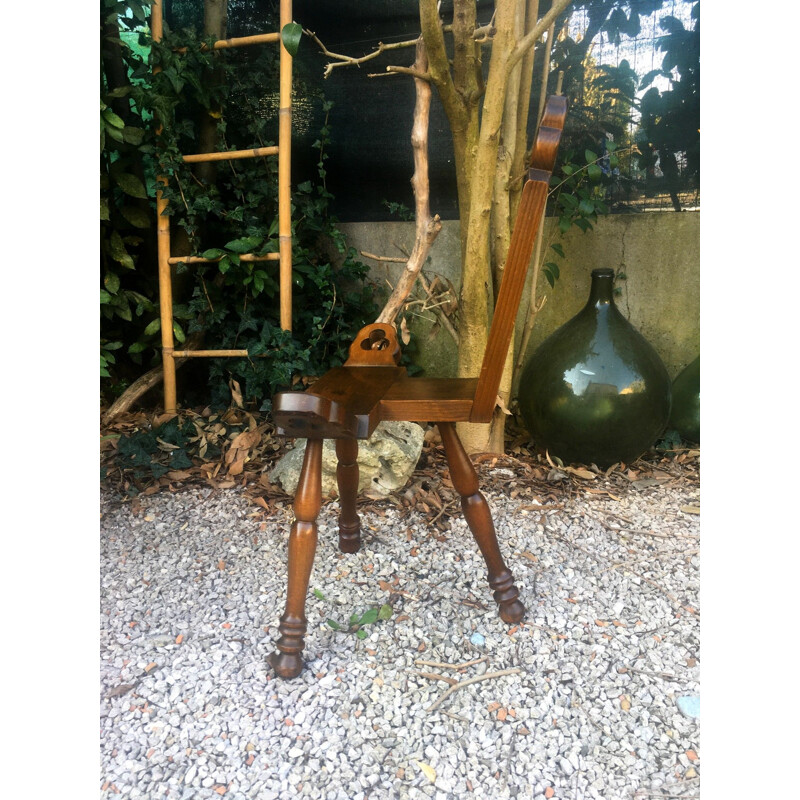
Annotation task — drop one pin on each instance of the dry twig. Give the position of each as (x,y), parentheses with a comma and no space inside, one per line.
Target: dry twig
(469,681)
(442,665)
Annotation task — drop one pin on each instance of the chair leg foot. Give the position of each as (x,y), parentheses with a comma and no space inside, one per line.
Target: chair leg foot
(286,660)
(347,479)
(286,665)
(479,519)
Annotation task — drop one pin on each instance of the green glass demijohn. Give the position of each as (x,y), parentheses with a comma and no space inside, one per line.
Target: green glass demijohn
(595,391)
(685,416)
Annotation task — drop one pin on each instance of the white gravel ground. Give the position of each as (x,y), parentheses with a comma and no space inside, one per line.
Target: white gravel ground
(193,586)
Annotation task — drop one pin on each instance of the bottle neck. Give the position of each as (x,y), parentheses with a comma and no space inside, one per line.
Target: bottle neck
(602,292)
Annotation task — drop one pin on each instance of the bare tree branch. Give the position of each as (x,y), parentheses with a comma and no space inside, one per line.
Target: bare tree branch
(349,61)
(530,39)
(427,227)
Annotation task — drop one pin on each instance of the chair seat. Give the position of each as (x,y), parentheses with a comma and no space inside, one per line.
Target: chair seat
(429,400)
(349,402)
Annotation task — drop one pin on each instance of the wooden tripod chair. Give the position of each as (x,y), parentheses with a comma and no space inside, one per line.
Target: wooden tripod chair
(349,401)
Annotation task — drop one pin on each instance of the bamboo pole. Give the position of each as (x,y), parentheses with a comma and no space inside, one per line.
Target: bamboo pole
(231,155)
(244,41)
(284,174)
(243,257)
(163,249)
(238,41)
(211,354)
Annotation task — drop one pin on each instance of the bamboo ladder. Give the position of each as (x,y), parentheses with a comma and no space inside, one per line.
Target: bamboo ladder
(283,151)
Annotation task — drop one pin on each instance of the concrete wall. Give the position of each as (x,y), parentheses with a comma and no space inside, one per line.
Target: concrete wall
(658,251)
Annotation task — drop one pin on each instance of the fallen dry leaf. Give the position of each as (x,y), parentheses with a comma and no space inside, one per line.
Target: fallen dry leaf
(691,755)
(625,702)
(237,467)
(246,439)
(150,666)
(579,472)
(428,771)
(549,791)
(179,638)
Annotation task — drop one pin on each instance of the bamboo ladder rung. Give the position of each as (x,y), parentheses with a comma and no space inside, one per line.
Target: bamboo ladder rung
(239,41)
(210,354)
(242,257)
(231,155)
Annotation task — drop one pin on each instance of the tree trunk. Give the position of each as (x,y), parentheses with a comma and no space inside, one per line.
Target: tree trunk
(215,24)
(475,270)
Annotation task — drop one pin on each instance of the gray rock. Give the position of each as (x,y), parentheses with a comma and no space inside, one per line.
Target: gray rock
(385,460)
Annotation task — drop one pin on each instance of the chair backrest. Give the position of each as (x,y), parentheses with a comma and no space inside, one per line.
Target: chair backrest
(529,217)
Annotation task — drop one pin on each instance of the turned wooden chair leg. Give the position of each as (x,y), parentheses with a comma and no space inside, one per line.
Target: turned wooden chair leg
(347,478)
(479,519)
(286,660)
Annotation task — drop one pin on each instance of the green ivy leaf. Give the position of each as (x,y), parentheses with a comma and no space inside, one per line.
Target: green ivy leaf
(153,327)
(244,245)
(291,33)
(178,331)
(111,282)
(550,278)
(594,172)
(361,634)
(113,119)
(568,201)
(558,248)
(131,185)
(385,612)
(334,624)
(369,617)
(318,594)
(590,156)
(136,216)
(114,133)
(118,252)
(131,135)
(213,253)
(553,269)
